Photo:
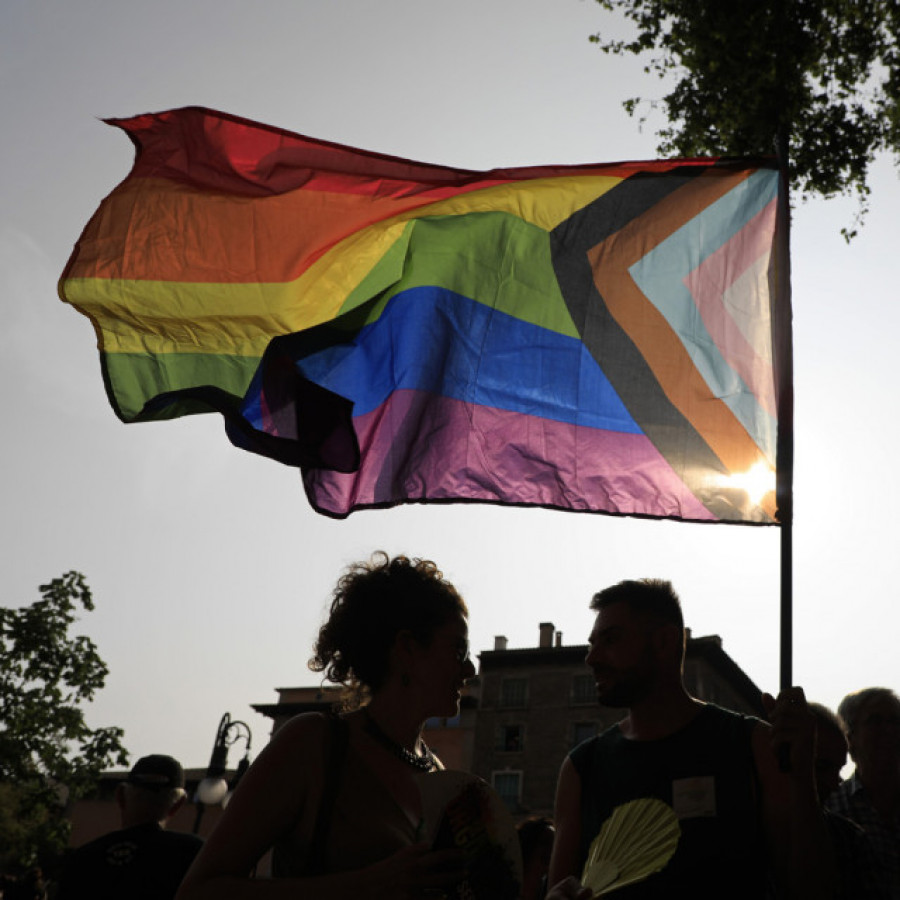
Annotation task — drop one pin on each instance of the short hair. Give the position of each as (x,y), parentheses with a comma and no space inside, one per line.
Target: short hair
(654,597)
(826,719)
(851,706)
(372,602)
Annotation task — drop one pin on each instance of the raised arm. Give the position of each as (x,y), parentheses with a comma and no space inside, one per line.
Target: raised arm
(564,875)
(797,838)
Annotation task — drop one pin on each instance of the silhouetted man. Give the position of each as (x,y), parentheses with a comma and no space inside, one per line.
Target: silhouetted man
(745,826)
(141,861)
(862,877)
(871,796)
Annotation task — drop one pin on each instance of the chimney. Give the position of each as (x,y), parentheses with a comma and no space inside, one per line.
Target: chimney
(499,642)
(559,639)
(546,634)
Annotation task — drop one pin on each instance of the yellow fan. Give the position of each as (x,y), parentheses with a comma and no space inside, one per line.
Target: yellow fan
(637,840)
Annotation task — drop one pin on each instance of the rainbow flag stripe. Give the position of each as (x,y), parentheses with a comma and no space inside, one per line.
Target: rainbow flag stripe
(599,337)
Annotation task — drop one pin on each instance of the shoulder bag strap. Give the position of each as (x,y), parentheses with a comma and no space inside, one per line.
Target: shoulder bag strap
(338,739)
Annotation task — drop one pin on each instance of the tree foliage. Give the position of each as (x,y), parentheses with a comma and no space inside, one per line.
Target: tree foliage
(816,80)
(48,755)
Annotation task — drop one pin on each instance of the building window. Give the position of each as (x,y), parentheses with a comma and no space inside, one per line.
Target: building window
(511,738)
(509,786)
(581,731)
(514,693)
(584,690)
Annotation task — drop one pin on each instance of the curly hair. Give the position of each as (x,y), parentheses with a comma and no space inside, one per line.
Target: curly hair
(372,602)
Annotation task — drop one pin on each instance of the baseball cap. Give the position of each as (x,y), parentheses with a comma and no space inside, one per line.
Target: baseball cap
(157,772)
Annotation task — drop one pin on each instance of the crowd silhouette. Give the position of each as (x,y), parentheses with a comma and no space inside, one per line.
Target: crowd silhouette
(334,803)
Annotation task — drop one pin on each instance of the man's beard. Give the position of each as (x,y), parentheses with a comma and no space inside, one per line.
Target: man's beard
(626,688)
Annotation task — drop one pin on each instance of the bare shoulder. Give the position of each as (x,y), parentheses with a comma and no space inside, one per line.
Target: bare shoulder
(293,756)
(281,783)
(290,765)
(300,740)
(304,727)
(568,771)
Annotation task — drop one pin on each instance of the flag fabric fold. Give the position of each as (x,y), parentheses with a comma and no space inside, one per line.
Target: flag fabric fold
(599,337)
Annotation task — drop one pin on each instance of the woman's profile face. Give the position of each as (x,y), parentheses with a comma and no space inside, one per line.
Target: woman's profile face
(444,667)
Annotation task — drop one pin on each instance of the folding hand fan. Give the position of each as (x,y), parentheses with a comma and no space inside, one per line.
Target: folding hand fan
(638,839)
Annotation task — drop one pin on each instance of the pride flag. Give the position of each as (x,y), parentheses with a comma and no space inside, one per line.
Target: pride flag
(598,337)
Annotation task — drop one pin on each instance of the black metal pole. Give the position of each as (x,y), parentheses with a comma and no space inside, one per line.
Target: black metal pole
(787,612)
(784,374)
(217,762)
(201,808)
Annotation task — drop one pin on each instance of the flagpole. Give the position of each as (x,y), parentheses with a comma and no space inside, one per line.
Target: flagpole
(784,373)
(787,621)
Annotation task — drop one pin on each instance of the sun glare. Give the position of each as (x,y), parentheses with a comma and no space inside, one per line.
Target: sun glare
(756,482)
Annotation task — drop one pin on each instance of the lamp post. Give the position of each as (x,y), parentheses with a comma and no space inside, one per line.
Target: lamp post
(213,789)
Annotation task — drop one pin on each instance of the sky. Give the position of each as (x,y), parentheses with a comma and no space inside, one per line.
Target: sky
(210,572)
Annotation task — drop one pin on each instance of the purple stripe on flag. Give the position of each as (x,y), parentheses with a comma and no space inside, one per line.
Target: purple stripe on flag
(418,447)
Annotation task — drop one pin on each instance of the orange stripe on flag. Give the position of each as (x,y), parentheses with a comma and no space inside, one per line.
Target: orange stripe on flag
(652,334)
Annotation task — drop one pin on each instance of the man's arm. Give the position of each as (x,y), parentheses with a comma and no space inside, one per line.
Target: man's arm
(564,874)
(797,839)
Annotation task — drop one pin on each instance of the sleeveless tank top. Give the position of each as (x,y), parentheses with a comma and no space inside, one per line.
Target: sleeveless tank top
(706,773)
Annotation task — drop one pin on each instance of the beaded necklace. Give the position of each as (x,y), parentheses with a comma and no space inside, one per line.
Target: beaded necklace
(424,763)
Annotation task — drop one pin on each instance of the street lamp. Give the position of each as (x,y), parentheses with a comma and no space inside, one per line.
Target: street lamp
(213,789)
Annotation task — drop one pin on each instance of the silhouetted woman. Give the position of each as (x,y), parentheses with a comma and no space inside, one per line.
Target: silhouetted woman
(336,799)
